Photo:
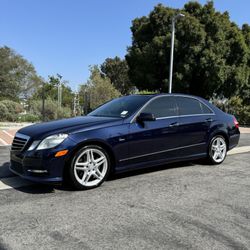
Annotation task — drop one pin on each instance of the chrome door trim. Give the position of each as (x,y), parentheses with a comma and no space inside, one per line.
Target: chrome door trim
(167,117)
(163,151)
(160,118)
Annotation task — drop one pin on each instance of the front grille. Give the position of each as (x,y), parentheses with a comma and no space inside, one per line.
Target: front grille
(19,142)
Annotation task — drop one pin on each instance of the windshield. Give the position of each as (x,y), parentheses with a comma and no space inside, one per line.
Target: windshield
(121,107)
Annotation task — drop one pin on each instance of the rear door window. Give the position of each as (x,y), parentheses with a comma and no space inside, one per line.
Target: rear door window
(188,106)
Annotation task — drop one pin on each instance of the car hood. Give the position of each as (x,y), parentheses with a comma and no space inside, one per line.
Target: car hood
(70,125)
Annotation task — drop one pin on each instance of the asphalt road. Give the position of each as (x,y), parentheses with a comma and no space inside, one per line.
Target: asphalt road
(177,206)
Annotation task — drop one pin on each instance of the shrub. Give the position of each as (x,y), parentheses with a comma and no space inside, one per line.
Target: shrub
(13,107)
(3,112)
(29,118)
(51,111)
(13,110)
(235,106)
(146,92)
(64,112)
(241,111)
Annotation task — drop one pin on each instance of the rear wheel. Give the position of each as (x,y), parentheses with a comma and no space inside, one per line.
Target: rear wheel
(217,149)
(89,167)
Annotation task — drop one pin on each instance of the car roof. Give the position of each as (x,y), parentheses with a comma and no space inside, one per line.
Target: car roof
(168,94)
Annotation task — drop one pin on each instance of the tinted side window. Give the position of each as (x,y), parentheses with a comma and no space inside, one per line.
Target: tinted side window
(205,109)
(162,107)
(188,106)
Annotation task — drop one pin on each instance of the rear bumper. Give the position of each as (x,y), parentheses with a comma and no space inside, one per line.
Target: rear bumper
(233,141)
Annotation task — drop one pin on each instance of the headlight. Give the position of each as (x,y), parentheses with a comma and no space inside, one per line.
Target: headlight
(52,141)
(33,145)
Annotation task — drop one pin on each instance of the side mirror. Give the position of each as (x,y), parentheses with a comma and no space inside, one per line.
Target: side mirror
(143,117)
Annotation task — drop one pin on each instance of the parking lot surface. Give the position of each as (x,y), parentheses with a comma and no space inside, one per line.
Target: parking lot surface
(187,205)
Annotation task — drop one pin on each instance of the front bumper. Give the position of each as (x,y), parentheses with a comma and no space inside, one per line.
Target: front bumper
(40,166)
(44,173)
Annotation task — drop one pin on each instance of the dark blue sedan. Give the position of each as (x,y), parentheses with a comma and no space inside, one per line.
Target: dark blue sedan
(127,133)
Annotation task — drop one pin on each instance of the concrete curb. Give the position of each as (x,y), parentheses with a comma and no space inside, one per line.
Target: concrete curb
(244,130)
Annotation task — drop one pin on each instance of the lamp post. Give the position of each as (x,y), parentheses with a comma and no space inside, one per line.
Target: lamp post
(172,50)
(59,91)
(43,101)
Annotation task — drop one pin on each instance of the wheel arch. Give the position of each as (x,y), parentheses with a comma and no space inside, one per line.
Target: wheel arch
(221,133)
(99,143)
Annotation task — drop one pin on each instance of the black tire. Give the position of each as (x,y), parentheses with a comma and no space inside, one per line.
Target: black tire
(211,152)
(74,174)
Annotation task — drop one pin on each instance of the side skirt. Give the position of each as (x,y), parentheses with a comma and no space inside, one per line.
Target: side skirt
(151,164)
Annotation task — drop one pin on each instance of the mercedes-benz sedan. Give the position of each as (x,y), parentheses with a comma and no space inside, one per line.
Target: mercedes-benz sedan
(126,133)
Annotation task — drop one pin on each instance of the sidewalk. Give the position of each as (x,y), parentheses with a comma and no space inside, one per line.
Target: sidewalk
(244,130)
(8,130)
(6,136)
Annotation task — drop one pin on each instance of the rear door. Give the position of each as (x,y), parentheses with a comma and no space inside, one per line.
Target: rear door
(194,122)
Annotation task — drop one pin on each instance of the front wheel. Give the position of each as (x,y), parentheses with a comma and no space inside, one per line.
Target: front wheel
(217,150)
(89,167)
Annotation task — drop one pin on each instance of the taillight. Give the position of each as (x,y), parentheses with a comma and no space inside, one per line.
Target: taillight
(236,124)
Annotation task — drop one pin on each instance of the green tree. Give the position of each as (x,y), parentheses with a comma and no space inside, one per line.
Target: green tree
(50,91)
(99,88)
(18,77)
(116,70)
(211,52)
(51,111)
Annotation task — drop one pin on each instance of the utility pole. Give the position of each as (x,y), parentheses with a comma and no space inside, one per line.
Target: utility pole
(43,101)
(86,107)
(59,92)
(172,50)
(76,104)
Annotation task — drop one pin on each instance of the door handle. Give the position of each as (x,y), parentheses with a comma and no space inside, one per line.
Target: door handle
(175,124)
(209,120)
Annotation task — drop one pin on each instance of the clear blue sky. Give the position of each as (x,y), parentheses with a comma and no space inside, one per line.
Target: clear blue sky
(66,36)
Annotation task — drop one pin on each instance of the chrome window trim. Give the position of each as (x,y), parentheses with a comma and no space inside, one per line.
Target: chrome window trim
(161,118)
(192,97)
(180,116)
(162,151)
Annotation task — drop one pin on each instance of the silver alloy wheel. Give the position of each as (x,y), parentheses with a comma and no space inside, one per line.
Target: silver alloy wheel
(218,149)
(90,167)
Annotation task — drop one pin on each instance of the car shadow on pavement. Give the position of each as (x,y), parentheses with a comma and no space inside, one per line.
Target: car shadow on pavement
(4,170)
(147,170)
(36,188)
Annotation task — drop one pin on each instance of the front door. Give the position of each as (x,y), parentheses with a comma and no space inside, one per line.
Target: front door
(155,140)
